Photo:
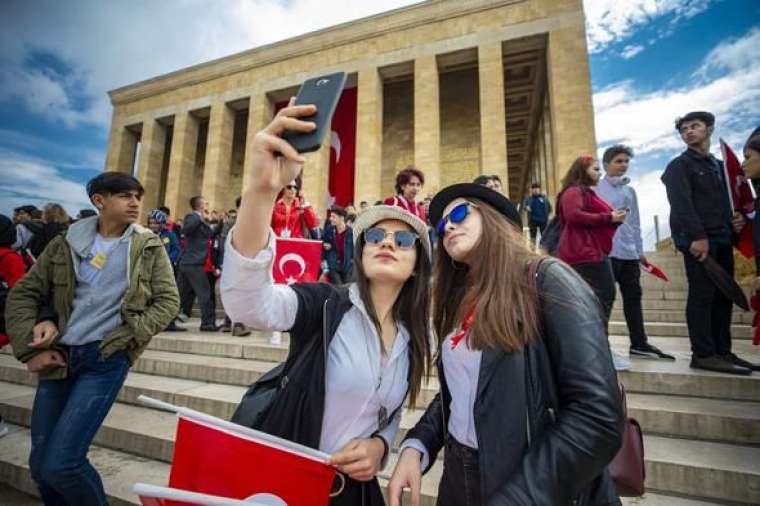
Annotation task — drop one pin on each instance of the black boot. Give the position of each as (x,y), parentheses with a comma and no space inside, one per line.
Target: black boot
(717,364)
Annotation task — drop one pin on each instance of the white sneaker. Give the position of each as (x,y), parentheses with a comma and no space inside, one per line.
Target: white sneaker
(183,317)
(275,338)
(621,363)
(3,428)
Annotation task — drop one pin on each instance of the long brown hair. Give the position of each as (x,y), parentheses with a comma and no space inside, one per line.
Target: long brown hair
(55,213)
(494,281)
(412,309)
(577,174)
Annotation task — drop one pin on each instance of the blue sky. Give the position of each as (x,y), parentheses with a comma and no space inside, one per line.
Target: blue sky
(651,60)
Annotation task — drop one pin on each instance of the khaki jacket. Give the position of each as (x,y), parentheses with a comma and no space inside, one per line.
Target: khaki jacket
(47,292)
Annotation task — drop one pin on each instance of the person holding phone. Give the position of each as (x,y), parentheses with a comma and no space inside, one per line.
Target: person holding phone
(627,253)
(588,224)
(529,410)
(368,342)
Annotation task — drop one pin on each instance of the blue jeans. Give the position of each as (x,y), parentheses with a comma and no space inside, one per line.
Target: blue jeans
(66,415)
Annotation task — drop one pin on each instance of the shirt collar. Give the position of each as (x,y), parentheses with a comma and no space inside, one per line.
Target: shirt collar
(356,300)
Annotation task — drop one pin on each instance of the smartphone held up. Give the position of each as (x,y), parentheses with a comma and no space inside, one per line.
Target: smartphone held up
(323,92)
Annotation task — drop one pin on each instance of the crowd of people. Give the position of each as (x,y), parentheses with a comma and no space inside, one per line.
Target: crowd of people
(409,284)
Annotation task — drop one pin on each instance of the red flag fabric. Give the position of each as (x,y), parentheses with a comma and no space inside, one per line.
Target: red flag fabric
(296,260)
(343,149)
(239,464)
(742,196)
(655,271)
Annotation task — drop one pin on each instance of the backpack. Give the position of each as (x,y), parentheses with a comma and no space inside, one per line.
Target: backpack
(550,236)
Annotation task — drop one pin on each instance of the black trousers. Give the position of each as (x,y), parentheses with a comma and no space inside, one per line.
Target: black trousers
(599,277)
(534,227)
(359,493)
(628,276)
(195,283)
(460,483)
(708,311)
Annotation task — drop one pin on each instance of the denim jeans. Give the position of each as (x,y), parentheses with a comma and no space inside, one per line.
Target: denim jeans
(65,417)
(460,483)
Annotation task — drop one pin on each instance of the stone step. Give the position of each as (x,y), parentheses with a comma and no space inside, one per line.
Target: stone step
(150,434)
(681,347)
(676,315)
(665,305)
(120,470)
(673,329)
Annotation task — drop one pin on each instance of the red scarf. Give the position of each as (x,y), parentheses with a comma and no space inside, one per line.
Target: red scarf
(464,330)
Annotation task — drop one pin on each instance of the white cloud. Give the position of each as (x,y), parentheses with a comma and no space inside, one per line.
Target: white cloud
(629,52)
(726,84)
(653,201)
(611,21)
(105,45)
(32,182)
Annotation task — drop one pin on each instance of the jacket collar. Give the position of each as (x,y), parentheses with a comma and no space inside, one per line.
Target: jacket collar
(81,234)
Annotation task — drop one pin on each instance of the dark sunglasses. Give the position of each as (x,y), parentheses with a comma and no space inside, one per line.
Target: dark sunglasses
(456,216)
(291,187)
(403,239)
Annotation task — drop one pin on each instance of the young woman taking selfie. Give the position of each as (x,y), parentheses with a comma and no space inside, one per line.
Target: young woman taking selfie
(529,411)
(367,342)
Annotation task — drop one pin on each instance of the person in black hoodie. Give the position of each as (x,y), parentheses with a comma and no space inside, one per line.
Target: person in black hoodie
(702,223)
(367,343)
(529,411)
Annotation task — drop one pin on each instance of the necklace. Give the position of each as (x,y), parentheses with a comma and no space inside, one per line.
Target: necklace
(382,415)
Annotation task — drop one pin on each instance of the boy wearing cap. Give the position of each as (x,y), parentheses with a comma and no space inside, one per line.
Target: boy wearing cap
(79,318)
(702,223)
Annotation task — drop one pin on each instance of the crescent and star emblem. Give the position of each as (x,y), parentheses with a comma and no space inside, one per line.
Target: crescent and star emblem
(292,257)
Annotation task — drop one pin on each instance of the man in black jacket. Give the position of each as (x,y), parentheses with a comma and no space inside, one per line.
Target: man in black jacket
(197,233)
(703,223)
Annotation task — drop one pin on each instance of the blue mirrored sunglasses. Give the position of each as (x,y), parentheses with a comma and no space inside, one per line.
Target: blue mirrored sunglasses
(403,239)
(456,216)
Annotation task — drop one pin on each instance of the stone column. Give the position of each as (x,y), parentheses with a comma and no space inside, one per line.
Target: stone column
(316,174)
(179,183)
(493,129)
(150,163)
(259,116)
(369,137)
(216,171)
(553,176)
(572,113)
(427,122)
(122,146)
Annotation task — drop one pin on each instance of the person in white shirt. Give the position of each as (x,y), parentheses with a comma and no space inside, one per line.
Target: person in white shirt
(367,344)
(627,253)
(529,410)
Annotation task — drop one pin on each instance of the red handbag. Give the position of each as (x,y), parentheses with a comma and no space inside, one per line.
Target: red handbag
(627,469)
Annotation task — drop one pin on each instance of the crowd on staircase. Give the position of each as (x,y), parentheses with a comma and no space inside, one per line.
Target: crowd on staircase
(83,297)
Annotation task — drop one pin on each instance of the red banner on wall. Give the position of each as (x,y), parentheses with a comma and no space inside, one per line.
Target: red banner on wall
(342,150)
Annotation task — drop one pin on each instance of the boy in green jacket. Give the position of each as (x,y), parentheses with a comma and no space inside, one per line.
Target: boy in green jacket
(79,318)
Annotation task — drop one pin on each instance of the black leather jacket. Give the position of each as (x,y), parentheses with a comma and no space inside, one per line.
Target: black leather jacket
(549,418)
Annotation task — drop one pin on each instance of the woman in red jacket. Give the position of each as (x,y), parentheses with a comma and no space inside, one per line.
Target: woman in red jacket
(292,217)
(588,225)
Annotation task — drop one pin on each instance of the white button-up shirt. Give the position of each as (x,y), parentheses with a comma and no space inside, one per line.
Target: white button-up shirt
(355,363)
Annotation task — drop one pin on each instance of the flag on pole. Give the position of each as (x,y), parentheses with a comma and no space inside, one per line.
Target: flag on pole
(220,458)
(742,196)
(296,260)
(152,495)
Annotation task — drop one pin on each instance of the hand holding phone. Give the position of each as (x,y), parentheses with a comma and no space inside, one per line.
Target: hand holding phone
(322,92)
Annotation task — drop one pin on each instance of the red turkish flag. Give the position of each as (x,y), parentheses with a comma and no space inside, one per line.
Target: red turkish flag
(152,495)
(742,196)
(296,260)
(212,456)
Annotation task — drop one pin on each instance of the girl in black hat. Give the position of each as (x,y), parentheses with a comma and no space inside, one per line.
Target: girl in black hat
(529,410)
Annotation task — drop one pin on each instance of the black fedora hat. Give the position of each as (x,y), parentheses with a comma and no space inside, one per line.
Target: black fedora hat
(471,190)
